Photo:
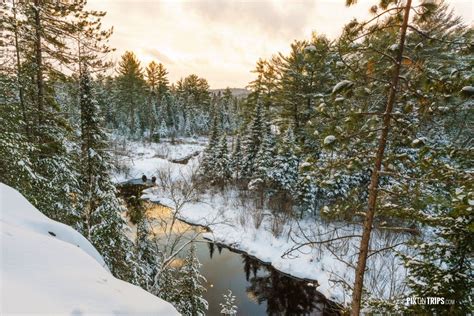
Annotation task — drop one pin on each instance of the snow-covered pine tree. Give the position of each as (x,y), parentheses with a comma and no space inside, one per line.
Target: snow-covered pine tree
(191,300)
(252,141)
(16,169)
(33,26)
(228,116)
(286,163)
(131,91)
(236,158)
(265,157)
(228,307)
(222,167)
(146,253)
(168,286)
(307,190)
(406,76)
(163,130)
(442,264)
(209,157)
(100,207)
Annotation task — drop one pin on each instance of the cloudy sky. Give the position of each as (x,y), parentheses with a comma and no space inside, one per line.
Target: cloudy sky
(222,40)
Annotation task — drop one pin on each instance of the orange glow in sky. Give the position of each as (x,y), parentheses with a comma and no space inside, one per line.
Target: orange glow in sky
(222,40)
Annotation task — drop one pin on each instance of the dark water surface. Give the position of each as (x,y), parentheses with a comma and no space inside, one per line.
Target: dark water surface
(259,289)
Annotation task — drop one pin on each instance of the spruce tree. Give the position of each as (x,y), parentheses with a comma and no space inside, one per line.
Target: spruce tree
(191,301)
(100,207)
(16,169)
(169,287)
(222,169)
(265,157)
(286,164)
(209,159)
(442,265)
(252,142)
(307,190)
(236,158)
(228,307)
(163,130)
(131,84)
(145,253)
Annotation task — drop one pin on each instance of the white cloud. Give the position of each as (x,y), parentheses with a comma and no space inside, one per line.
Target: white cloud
(222,40)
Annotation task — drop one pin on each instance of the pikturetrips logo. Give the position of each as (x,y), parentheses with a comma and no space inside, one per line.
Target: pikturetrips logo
(429,300)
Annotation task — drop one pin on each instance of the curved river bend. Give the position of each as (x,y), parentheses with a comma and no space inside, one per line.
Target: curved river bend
(259,288)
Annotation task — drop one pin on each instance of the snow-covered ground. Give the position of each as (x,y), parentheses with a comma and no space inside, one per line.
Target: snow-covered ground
(48,268)
(235,222)
(280,244)
(146,158)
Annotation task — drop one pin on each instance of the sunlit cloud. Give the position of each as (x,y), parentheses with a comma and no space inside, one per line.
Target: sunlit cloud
(222,40)
(159,56)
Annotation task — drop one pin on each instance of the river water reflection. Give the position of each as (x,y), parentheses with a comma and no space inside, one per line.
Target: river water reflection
(259,289)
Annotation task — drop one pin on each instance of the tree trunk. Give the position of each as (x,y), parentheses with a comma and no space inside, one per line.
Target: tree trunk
(39,61)
(374,181)
(19,72)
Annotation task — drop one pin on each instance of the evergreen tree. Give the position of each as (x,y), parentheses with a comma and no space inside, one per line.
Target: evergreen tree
(442,266)
(222,170)
(16,169)
(236,159)
(286,163)
(156,77)
(265,157)
(146,253)
(102,223)
(307,190)
(39,58)
(130,84)
(191,291)
(169,287)
(404,84)
(163,131)
(209,160)
(252,142)
(228,307)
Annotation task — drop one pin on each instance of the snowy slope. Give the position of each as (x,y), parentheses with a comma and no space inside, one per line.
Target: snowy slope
(47,267)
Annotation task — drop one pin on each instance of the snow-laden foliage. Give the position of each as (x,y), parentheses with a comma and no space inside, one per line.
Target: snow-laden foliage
(228,307)
(191,290)
(101,208)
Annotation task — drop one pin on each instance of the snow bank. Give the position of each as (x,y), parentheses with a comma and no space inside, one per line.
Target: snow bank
(47,267)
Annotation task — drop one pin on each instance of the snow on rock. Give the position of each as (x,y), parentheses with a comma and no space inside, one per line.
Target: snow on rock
(48,268)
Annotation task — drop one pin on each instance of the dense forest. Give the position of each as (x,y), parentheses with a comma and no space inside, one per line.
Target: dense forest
(372,129)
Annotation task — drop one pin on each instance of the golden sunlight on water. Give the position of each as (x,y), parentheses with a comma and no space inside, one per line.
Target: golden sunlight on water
(163,223)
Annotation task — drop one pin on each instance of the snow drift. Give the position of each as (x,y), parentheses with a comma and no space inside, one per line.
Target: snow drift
(47,267)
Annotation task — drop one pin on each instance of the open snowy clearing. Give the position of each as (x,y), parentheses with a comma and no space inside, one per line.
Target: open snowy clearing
(49,268)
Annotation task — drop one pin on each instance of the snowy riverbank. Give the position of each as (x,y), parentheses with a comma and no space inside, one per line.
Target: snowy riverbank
(236,223)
